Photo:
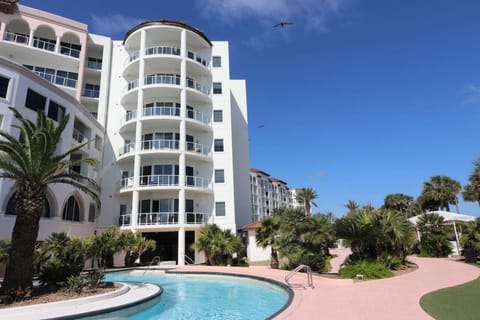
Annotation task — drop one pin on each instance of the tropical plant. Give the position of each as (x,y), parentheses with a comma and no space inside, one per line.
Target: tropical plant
(33,163)
(4,251)
(135,246)
(399,202)
(433,241)
(74,284)
(472,189)
(105,245)
(368,269)
(352,205)
(204,241)
(224,245)
(305,196)
(265,237)
(471,235)
(439,193)
(94,278)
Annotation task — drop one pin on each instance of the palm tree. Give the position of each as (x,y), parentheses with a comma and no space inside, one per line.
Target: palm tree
(440,192)
(135,246)
(434,241)
(306,196)
(32,162)
(472,190)
(398,201)
(352,205)
(265,236)
(105,245)
(204,241)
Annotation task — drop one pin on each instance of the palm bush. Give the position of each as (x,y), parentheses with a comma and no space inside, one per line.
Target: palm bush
(471,235)
(369,270)
(135,246)
(434,241)
(218,245)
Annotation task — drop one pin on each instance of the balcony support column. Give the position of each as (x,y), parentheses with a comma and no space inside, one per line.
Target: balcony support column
(30,37)
(181,246)
(58,44)
(2,30)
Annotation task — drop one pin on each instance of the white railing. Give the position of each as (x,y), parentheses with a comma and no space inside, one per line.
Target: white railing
(157,218)
(160,144)
(131,85)
(70,51)
(164,50)
(161,111)
(196,182)
(44,45)
(197,148)
(196,218)
(127,148)
(124,220)
(133,56)
(191,83)
(15,37)
(78,135)
(197,115)
(132,115)
(162,79)
(126,183)
(62,81)
(159,180)
(196,57)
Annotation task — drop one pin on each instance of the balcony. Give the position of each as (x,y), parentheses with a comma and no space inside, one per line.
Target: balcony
(193,84)
(127,148)
(65,50)
(160,144)
(91,93)
(170,79)
(197,115)
(78,136)
(16,37)
(94,65)
(58,80)
(162,218)
(162,50)
(159,180)
(197,182)
(133,56)
(131,85)
(195,57)
(126,183)
(44,44)
(161,111)
(197,148)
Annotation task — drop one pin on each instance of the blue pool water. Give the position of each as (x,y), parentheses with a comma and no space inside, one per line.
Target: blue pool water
(204,297)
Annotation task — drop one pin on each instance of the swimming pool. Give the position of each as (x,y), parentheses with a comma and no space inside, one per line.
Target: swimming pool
(203,296)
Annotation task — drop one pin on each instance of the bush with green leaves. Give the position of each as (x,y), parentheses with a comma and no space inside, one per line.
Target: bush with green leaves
(94,278)
(433,241)
(368,269)
(392,262)
(74,284)
(56,270)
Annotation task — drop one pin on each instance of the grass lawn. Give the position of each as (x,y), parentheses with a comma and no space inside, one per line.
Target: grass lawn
(460,302)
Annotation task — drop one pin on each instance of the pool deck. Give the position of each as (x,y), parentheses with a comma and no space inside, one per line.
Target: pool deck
(392,298)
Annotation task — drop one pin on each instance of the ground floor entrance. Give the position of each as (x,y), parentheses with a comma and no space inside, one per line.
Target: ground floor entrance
(167,246)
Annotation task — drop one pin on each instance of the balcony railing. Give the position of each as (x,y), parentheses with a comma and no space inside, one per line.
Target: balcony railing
(194,56)
(127,148)
(197,182)
(78,136)
(159,180)
(61,81)
(197,148)
(161,111)
(162,50)
(95,65)
(162,79)
(131,85)
(160,144)
(131,115)
(133,56)
(126,183)
(199,116)
(191,83)
(162,218)
(91,93)
(70,51)
(16,37)
(44,45)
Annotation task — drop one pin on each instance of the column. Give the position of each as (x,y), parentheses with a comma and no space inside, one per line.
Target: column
(30,37)
(58,44)
(183,113)
(181,246)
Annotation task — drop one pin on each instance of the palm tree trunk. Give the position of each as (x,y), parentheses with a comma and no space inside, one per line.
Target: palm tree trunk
(28,208)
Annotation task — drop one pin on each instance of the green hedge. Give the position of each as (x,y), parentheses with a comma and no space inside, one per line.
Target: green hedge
(369,270)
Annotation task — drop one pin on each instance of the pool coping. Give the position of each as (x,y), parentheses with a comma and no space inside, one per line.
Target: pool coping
(125,297)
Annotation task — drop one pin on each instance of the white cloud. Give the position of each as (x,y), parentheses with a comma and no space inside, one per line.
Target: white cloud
(315,15)
(113,24)
(472,94)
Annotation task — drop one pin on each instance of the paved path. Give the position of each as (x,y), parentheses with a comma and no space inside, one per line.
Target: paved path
(341,256)
(393,298)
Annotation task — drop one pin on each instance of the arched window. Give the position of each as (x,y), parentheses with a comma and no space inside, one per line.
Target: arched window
(71,210)
(10,209)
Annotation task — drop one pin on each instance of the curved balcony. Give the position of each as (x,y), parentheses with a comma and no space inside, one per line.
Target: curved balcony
(161,111)
(162,218)
(196,85)
(160,144)
(197,148)
(197,182)
(129,116)
(128,148)
(159,180)
(131,85)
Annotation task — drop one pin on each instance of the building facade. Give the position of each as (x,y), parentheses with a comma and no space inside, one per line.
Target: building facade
(267,193)
(167,124)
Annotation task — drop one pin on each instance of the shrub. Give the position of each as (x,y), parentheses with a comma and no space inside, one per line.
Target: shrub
(369,270)
(94,278)
(56,270)
(74,284)
(434,246)
(392,262)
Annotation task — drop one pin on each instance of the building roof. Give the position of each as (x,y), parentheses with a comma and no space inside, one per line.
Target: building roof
(272,179)
(257,171)
(252,226)
(169,23)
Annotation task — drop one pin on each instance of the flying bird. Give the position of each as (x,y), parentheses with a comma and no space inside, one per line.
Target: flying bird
(282,24)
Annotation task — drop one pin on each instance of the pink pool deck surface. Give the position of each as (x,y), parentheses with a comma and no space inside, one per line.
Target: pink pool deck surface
(392,298)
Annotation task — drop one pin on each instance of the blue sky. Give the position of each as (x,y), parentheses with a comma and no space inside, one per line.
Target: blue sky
(357,99)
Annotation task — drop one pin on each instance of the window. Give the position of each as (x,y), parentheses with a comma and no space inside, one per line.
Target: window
(217,116)
(218,145)
(220,209)
(3,86)
(71,210)
(98,143)
(216,61)
(55,111)
(91,212)
(35,101)
(219,176)
(217,88)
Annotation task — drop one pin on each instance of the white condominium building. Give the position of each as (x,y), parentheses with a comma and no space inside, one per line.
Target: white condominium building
(167,124)
(268,193)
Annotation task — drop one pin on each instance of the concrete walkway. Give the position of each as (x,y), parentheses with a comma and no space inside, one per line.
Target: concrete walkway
(392,298)
(129,294)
